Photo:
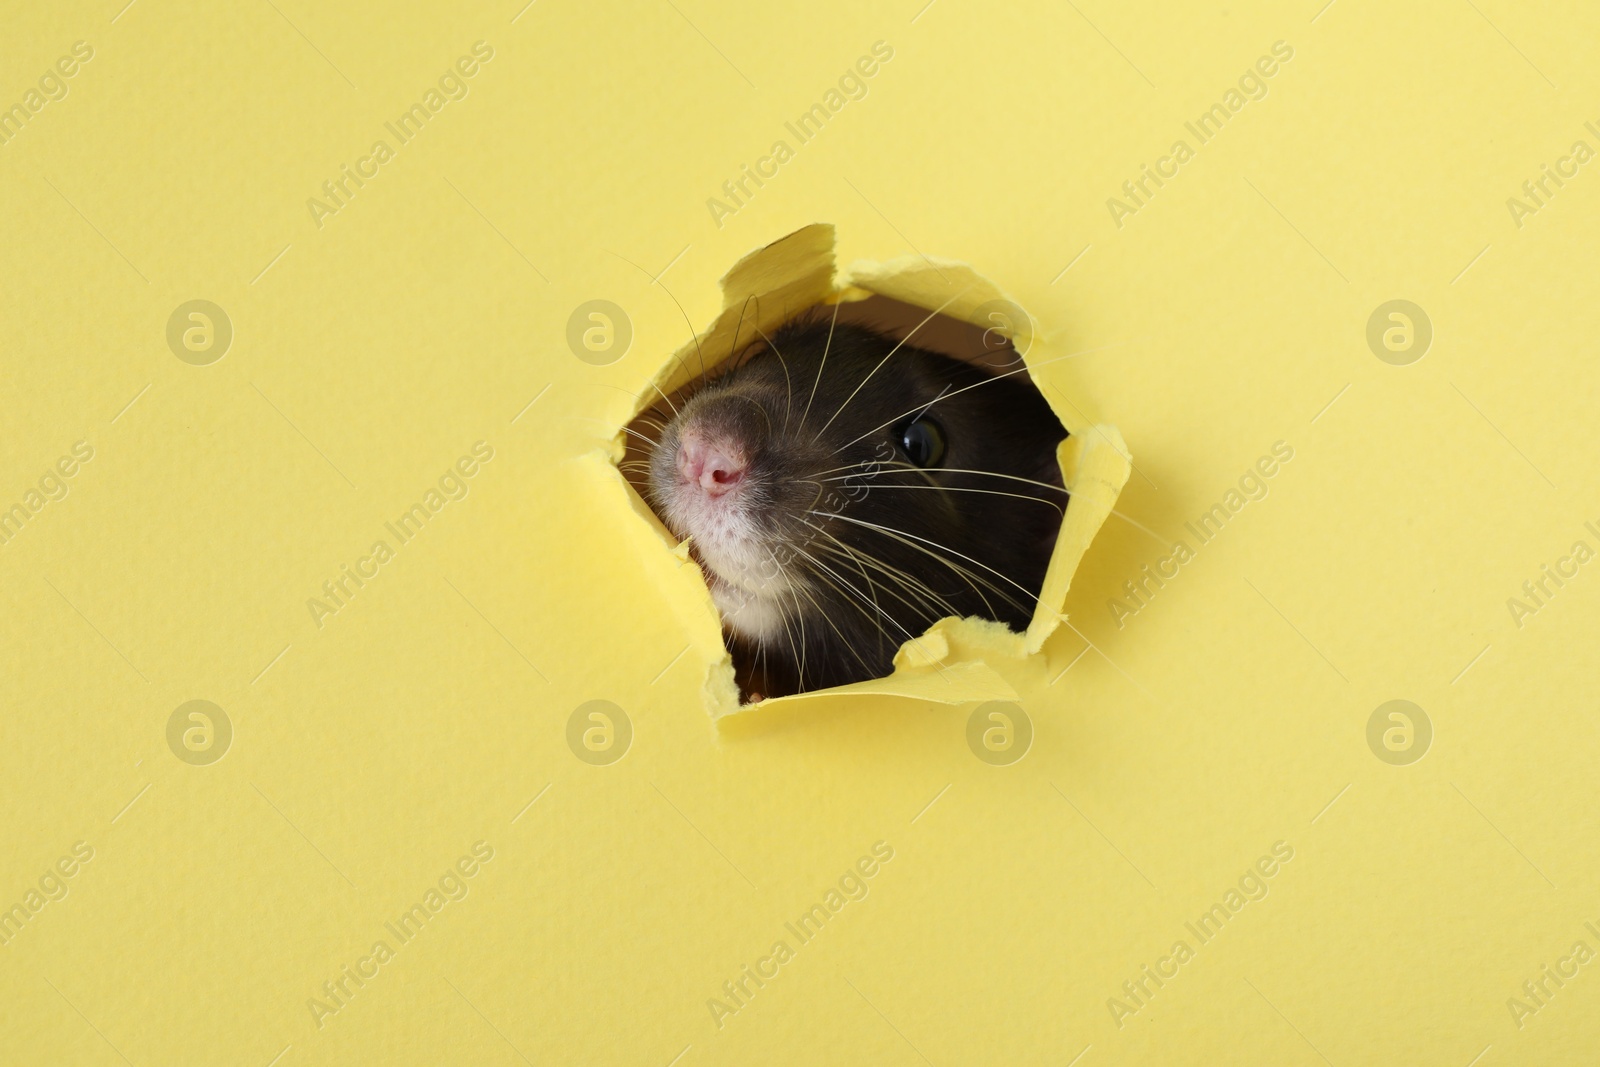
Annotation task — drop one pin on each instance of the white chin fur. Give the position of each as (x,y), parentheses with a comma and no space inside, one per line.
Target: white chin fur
(750,615)
(749,587)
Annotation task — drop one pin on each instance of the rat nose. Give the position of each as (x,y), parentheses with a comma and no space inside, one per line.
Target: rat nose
(715,469)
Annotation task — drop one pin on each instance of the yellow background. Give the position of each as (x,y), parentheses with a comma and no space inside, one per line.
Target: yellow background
(372,752)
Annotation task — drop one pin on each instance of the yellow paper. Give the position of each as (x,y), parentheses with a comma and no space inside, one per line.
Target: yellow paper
(1316,701)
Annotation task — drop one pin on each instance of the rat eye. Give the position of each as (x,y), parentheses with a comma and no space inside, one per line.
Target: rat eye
(923,442)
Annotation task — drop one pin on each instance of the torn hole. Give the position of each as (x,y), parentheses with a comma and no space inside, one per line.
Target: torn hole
(875,493)
(848,480)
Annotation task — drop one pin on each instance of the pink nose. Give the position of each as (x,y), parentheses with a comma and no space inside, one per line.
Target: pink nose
(716,470)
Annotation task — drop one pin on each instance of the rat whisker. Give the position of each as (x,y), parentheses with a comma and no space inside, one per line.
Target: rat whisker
(827,618)
(607,385)
(783,614)
(909,635)
(872,589)
(859,557)
(932,402)
(918,608)
(1164,542)
(886,359)
(1130,520)
(966,470)
(733,346)
(906,581)
(853,599)
(821,366)
(962,489)
(967,388)
(667,398)
(840,585)
(686,321)
(635,433)
(896,466)
(967,576)
(902,533)
(788,399)
(639,396)
(859,464)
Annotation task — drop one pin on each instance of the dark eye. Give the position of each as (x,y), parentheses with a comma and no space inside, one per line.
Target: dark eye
(923,442)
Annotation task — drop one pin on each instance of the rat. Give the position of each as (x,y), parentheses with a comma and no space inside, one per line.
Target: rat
(842,491)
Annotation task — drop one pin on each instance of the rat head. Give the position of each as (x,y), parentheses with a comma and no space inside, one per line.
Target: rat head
(844,491)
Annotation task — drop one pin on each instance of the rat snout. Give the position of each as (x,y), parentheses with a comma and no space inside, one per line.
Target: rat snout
(715,466)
